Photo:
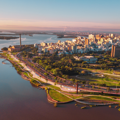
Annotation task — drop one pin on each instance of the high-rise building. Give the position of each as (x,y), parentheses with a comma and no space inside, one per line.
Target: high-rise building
(91,36)
(74,49)
(86,42)
(115,52)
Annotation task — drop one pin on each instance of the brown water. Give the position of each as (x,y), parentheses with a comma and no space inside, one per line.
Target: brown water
(19,100)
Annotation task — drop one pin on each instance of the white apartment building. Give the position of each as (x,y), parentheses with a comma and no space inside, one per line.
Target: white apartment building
(91,36)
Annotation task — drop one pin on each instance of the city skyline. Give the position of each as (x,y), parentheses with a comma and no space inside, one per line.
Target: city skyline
(60,15)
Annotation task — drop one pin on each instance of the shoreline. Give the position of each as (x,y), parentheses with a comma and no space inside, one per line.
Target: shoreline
(28,79)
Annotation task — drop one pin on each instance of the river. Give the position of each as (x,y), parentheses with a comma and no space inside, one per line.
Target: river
(36,38)
(19,100)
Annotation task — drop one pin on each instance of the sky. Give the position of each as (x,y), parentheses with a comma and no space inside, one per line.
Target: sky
(60,14)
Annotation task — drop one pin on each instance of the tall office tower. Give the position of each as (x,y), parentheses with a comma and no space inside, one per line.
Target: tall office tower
(74,49)
(115,52)
(86,42)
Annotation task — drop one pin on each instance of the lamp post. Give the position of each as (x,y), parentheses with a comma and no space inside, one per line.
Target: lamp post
(77,88)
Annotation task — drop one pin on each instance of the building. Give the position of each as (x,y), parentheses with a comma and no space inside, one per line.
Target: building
(69,48)
(111,35)
(43,44)
(59,41)
(86,42)
(115,52)
(74,49)
(98,37)
(45,50)
(68,41)
(88,59)
(15,48)
(35,45)
(91,37)
(52,43)
(101,41)
(74,40)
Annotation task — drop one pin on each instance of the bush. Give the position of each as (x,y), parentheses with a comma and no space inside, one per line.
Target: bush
(55,104)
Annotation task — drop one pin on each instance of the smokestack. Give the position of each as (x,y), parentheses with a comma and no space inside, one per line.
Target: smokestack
(20,40)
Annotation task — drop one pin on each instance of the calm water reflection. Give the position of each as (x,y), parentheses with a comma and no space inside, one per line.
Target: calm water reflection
(19,100)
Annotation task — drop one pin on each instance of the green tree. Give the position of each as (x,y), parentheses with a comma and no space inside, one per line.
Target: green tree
(45,74)
(54,71)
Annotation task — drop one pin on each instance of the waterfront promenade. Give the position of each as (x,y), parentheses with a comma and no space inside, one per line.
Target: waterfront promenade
(43,78)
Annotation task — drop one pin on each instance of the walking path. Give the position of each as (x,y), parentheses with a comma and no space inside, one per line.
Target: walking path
(111,74)
(87,103)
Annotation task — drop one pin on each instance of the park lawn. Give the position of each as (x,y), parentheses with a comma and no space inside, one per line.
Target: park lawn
(54,87)
(58,96)
(108,81)
(99,98)
(26,74)
(103,71)
(74,97)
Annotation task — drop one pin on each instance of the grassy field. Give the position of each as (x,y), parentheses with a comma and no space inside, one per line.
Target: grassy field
(74,97)
(34,82)
(98,70)
(54,87)
(107,81)
(58,96)
(100,98)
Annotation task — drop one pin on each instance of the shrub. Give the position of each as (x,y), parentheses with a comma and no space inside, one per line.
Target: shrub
(83,107)
(55,104)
